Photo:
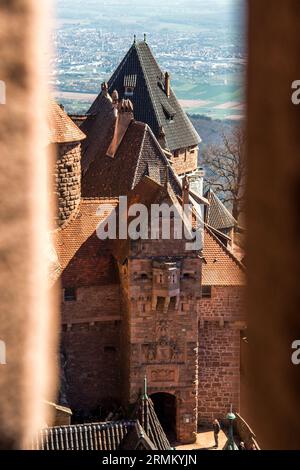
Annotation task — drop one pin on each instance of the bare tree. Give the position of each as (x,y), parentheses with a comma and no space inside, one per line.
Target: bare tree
(226,169)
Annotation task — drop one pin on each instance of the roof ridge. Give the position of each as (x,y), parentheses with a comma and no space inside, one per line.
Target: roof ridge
(221,206)
(121,65)
(138,158)
(224,248)
(96,423)
(165,158)
(152,101)
(150,91)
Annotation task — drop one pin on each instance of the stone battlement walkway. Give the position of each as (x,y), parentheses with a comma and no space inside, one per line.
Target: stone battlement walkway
(204,441)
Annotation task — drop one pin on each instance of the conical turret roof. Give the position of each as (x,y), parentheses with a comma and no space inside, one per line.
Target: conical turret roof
(61,128)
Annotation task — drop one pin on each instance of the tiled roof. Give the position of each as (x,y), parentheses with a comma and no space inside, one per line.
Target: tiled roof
(61,128)
(149,98)
(111,177)
(110,436)
(220,267)
(80,252)
(99,130)
(138,154)
(146,415)
(216,214)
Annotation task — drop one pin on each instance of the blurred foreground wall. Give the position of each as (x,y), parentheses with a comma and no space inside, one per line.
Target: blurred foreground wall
(25,338)
(273,222)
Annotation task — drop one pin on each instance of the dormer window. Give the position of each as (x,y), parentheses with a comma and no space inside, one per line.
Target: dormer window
(169,112)
(128,91)
(129,85)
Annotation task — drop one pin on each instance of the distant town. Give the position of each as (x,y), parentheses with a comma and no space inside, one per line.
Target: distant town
(207,62)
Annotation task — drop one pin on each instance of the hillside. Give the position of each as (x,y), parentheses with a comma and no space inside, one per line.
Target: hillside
(210,130)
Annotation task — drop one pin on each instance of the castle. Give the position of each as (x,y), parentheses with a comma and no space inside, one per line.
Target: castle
(144,307)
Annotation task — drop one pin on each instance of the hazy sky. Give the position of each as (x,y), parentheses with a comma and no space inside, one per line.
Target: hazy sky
(154,14)
(152,6)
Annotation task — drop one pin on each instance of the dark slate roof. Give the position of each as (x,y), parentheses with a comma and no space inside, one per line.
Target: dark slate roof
(137,439)
(216,214)
(150,101)
(99,130)
(139,154)
(114,435)
(146,415)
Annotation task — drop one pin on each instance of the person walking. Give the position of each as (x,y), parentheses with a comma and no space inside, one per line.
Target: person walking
(216,429)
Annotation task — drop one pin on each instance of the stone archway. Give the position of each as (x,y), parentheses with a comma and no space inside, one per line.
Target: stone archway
(165,408)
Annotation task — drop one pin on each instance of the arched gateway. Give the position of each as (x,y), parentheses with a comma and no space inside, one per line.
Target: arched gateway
(165,408)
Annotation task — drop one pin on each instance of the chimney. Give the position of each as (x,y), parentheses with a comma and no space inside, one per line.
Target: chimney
(115,102)
(185,191)
(104,88)
(124,116)
(167,84)
(197,181)
(115,98)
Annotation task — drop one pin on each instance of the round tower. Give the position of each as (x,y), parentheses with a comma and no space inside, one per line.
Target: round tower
(66,137)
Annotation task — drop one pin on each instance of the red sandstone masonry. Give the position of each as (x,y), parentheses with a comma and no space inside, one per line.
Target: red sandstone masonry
(91,342)
(117,331)
(93,364)
(186,161)
(163,345)
(219,352)
(94,303)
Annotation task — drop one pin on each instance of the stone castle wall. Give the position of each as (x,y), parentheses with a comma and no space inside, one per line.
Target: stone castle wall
(185,160)
(91,343)
(220,325)
(163,342)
